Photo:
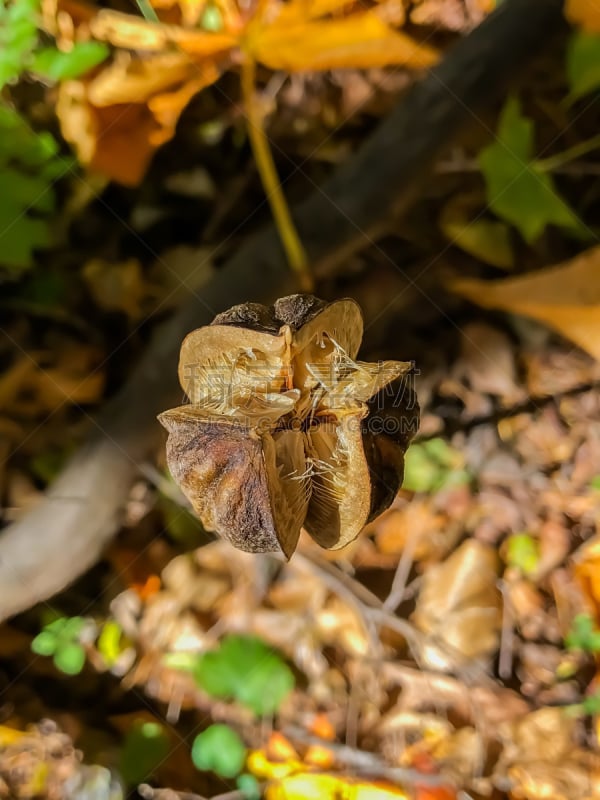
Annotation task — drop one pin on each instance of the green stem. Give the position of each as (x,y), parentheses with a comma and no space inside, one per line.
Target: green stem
(263,157)
(578,150)
(146,10)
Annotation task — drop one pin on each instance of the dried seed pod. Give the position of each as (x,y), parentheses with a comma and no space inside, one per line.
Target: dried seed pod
(285,428)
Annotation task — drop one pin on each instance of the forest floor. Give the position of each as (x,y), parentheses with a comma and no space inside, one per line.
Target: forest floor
(451,650)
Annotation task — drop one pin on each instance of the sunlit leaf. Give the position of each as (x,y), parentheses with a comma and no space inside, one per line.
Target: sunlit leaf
(69,658)
(518,190)
(585,13)
(583,63)
(360,40)
(220,749)
(565,297)
(584,635)
(247,670)
(459,606)
(59,66)
(523,552)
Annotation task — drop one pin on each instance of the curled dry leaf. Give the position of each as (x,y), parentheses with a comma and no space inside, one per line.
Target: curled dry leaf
(459,606)
(117,119)
(285,428)
(565,297)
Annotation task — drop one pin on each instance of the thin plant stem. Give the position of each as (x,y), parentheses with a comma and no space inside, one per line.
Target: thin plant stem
(146,10)
(560,159)
(263,157)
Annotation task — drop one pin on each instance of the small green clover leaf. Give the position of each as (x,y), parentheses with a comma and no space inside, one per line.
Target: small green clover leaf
(60,639)
(220,749)
(245,669)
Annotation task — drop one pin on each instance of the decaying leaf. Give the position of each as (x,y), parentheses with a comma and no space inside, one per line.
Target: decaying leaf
(459,606)
(119,116)
(116,120)
(542,761)
(285,428)
(565,297)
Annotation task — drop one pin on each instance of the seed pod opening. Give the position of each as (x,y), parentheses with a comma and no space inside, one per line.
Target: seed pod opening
(285,428)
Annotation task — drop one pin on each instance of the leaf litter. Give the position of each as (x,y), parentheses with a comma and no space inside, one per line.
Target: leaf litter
(452,649)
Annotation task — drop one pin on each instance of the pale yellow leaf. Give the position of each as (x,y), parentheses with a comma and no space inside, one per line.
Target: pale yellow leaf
(565,297)
(135,33)
(359,41)
(585,13)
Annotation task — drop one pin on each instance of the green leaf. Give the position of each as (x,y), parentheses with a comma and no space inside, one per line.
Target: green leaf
(28,169)
(433,465)
(44,644)
(583,64)
(146,746)
(595,483)
(484,239)
(72,627)
(57,65)
(69,658)
(583,635)
(518,190)
(220,749)
(249,786)
(591,704)
(245,669)
(523,552)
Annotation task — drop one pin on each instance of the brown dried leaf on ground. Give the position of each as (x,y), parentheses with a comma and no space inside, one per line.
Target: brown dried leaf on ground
(541,760)
(117,119)
(565,297)
(459,607)
(42,762)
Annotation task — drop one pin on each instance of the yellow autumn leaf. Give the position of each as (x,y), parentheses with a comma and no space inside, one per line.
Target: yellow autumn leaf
(116,120)
(315,786)
(135,33)
(303,10)
(359,41)
(565,297)
(585,13)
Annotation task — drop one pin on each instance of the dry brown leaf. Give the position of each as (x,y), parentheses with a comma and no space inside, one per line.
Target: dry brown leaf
(542,762)
(116,287)
(585,13)
(459,606)
(116,120)
(485,706)
(565,297)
